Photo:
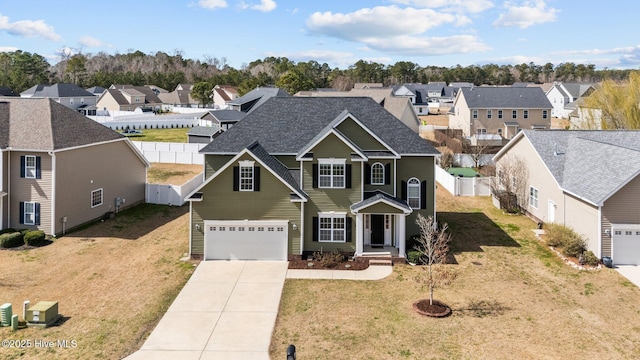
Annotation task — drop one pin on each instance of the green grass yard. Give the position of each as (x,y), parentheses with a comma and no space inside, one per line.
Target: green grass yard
(162,135)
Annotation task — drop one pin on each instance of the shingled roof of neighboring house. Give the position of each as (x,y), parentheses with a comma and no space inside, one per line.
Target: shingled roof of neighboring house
(285,125)
(226,115)
(150,96)
(256,97)
(591,164)
(6,91)
(486,97)
(59,90)
(43,124)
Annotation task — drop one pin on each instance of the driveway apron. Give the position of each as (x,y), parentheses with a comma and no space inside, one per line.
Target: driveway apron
(227,310)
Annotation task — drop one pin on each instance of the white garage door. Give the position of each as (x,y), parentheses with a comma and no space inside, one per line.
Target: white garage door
(245,240)
(625,244)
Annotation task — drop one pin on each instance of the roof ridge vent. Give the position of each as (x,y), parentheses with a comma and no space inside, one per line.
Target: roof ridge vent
(557,151)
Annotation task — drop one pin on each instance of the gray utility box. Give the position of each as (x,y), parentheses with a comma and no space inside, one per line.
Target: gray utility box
(43,314)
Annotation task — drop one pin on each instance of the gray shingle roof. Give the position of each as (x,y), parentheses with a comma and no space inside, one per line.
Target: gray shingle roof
(59,90)
(256,97)
(590,164)
(285,125)
(227,115)
(276,166)
(203,130)
(43,124)
(378,196)
(505,97)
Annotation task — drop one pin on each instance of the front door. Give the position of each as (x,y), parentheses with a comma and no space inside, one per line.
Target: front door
(377,230)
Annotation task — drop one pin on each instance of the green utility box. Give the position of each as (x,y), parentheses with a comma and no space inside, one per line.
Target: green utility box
(43,314)
(5,314)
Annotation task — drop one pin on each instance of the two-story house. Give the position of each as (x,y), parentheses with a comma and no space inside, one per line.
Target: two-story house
(60,169)
(305,174)
(128,98)
(562,94)
(499,110)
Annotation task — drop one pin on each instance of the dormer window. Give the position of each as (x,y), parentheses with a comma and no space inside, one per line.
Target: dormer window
(377,174)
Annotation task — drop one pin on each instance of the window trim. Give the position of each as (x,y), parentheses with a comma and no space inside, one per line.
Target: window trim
(545,114)
(474,113)
(33,213)
(413,183)
(534,196)
(332,177)
(96,191)
(332,230)
(514,114)
(500,114)
(248,177)
(381,174)
(489,114)
(27,167)
(525,114)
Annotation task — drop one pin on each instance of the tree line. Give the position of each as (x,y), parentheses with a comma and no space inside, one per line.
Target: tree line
(21,70)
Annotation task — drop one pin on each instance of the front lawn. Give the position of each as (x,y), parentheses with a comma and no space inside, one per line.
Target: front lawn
(512,299)
(178,135)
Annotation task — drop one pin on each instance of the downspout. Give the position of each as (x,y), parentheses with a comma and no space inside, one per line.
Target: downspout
(395,177)
(301,228)
(53,192)
(9,188)
(191,230)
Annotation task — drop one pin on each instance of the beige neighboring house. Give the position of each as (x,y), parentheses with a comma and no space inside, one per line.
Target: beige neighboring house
(128,98)
(503,111)
(586,180)
(400,107)
(223,94)
(60,169)
(179,97)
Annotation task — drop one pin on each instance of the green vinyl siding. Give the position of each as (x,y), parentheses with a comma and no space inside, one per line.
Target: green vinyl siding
(214,162)
(381,208)
(220,202)
(359,136)
(326,200)
(422,168)
(289,161)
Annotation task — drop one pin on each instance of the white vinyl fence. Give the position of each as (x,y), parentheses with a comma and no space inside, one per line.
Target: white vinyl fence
(175,153)
(461,186)
(172,194)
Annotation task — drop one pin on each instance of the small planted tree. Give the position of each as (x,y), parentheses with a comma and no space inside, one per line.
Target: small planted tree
(433,245)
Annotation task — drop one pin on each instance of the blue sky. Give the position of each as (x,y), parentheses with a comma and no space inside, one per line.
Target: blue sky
(338,32)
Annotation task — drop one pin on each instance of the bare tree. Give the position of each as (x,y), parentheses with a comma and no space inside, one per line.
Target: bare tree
(433,246)
(509,184)
(475,151)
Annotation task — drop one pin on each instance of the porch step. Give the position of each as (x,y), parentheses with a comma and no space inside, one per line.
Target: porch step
(380,262)
(377,254)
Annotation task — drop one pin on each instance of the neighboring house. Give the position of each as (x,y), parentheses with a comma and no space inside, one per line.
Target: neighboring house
(305,174)
(128,98)
(179,97)
(212,124)
(400,107)
(59,169)
(423,96)
(255,98)
(223,94)
(586,180)
(502,111)
(561,95)
(96,90)
(69,95)
(6,91)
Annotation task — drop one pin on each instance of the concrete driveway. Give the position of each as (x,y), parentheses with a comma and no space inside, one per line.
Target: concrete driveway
(631,272)
(227,310)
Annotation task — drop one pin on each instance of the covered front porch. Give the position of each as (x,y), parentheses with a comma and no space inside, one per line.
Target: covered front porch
(381,226)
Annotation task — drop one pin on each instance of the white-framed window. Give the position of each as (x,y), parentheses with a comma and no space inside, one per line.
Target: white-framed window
(377,174)
(29,213)
(545,114)
(525,114)
(481,131)
(331,173)
(332,227)
(489,114)
(533,197)
(475,114)
(30,167)
(499,114)
(514,114)
(413,193)
(96,197)
(246,176)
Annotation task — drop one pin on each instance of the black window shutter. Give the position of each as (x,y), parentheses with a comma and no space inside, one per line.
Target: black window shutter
(347,177)
(315,229)
(236,178)
(256,179)
(23,164)
(37,211)
(403,190)
(387,174)
(38,167)
(315,175)
(367,174)
(348,228)
(423,195)
(22,211)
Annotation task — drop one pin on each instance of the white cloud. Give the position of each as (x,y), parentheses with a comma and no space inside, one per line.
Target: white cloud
(89,41)
(424,46)
(381,21)
(213,4)
(8,49)
(265,6)
(528,14)
(462,6)
(28,28)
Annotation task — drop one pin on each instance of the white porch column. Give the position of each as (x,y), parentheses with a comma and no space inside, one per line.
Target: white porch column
(359,234)
(402,235)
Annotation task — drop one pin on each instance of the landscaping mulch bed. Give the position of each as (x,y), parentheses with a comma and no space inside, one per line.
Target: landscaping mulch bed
(437,309)
(357,264)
